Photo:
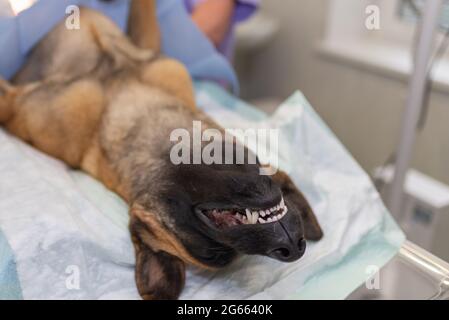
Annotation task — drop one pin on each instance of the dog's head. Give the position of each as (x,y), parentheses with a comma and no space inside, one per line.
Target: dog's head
(231,209)
(218,211)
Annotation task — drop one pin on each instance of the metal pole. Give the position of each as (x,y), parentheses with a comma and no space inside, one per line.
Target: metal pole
(414,101)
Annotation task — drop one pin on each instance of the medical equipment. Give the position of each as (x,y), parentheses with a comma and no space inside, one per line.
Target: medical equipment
(426,210)
(426,270)
(413,267)
(416,96)
(425,217)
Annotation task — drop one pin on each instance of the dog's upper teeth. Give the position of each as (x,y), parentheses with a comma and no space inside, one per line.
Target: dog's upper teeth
(248,215)
(264,216)
(255,217)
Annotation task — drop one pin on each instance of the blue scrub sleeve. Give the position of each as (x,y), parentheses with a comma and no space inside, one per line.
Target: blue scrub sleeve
(181,39)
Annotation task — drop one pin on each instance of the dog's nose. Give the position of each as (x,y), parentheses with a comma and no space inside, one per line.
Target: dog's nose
(289,252)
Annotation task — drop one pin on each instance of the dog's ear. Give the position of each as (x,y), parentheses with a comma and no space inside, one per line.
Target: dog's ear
(160,266)
(312,229)
(159,275)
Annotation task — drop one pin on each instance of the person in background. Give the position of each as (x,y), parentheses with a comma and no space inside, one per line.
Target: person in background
(217,18)
(199,33)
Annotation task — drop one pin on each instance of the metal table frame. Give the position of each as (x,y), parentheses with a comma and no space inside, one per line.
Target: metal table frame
(428,264)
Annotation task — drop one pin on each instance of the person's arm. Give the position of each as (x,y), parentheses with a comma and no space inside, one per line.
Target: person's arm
(214,18)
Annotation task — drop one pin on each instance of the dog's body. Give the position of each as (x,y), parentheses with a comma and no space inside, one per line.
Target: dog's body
(107,105)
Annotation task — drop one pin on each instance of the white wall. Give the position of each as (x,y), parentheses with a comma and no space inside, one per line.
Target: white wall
(362,107)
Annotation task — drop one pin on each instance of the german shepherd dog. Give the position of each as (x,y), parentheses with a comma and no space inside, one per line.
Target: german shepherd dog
(106,103)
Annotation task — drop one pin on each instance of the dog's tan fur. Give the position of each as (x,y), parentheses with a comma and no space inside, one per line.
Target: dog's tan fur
(58,103)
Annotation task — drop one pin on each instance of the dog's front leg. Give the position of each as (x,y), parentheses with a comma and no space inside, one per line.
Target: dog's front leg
(143,27)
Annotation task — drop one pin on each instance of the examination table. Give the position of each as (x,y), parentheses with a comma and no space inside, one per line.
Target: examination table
(64,236)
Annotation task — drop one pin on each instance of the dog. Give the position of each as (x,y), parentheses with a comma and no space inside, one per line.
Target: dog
(106,103)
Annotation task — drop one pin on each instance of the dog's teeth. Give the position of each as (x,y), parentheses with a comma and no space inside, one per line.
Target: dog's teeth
(255,217)
(282,203)
(285,210)
(270,220)
(279,216)
(275,219)
(261,220)
(273,209)
(262,213)
(249,215)
(267,212)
